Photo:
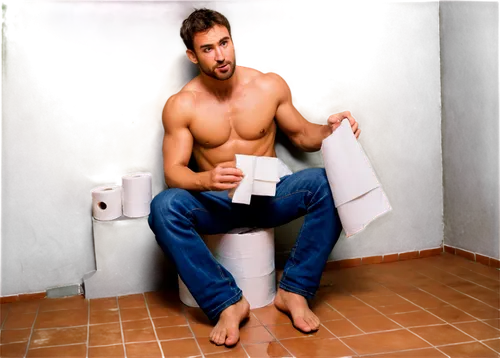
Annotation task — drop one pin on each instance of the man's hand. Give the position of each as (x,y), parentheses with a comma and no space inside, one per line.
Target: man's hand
(335,120)
(224,176)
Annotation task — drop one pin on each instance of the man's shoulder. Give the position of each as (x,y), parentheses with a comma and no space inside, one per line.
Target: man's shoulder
(178,106)
(270,81)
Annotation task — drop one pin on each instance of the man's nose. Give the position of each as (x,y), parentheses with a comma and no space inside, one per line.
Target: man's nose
(219,55)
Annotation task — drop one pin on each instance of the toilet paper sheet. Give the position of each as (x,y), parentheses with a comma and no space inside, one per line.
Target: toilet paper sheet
(260,177)
(357,193)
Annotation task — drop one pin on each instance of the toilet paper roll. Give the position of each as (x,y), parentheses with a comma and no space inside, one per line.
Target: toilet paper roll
(264,295)
(137,194)
(107,202)
(186,296)
(249,256)
(136,209)
(257,298)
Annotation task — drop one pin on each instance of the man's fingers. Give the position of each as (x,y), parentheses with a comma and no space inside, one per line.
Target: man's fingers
(231,171)
(222,186)
(354,127)
(356,134)
(228,179)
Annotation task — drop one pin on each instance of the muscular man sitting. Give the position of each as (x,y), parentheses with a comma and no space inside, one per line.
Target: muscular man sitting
(228,110)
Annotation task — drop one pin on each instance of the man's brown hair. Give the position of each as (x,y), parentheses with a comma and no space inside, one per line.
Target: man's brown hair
(201,20)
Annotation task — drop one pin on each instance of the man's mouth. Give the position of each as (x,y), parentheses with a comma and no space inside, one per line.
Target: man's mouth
(226,66)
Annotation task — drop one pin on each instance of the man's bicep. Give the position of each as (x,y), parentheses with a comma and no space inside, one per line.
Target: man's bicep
(178,140)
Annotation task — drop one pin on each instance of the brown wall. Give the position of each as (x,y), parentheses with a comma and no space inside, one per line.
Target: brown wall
(48,167)
(470,41)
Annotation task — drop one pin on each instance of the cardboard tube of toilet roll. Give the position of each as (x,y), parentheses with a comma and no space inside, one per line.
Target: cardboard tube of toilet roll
(107,202)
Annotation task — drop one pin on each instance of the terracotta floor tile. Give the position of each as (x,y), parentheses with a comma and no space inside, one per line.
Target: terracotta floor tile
(414,319)
(258,334)
(201,330)
(325,312)
(14,336)
(441,335)
(399,308)
(58,337)
(25,307)
(107,351)
(196,315)
(493,322)
(423,299)
(208,347)
(4,312)
(66,303)
(336,324)
(74,351)
(265,350)
(317,347)
(343,301)
(491,341)
(64,318)
(374,323)
(180,348)
(164,298)
(385,300)
(13,350)
(104,316)
(451,314)
(358,311)
(287,330)
(160,311)
(473,350)
(134,314)
(150,350)
(165,333)
(109,303)
(417,353)
(19,320)
(131,301)
(139,335)
(251,322)
(384,342)
(141,324)
(169,321)
(478,330)
(113,327)
(235,352)
(270,315)
(479,310)
(105,334)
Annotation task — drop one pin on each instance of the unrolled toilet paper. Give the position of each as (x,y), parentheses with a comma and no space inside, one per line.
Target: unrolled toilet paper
(260,177)
(137,194)
(107,202)
(249,257)
(357,193)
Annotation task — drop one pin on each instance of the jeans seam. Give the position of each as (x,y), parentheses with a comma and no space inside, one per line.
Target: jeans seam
(223,303)
(296,289)
(292,265)
(290,194)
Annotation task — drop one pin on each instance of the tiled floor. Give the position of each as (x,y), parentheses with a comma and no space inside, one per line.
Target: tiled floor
(433,307)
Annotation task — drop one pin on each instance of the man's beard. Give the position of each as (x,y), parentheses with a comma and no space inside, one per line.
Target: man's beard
(219,76)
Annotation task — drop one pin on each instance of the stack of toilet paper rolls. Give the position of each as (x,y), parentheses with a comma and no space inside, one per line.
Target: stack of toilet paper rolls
(131,199)
(248,254)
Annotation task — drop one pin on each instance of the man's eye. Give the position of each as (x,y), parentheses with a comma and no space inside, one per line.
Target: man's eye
(224,43)
(206,49)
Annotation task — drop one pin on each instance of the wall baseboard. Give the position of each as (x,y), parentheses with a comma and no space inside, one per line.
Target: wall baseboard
(472,256)
(330,265)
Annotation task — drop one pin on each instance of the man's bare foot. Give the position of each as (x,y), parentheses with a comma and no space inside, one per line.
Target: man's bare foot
(296,305)
(227,329)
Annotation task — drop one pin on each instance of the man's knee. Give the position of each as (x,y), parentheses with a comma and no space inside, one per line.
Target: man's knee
(169,201)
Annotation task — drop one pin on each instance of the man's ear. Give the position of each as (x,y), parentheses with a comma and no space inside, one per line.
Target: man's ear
(192,56)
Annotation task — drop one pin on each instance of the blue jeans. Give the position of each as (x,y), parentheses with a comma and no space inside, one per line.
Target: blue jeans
(178,217)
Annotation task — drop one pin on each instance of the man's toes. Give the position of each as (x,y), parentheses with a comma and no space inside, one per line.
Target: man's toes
(233,335)
(310,323)
(301,324)
(221,337)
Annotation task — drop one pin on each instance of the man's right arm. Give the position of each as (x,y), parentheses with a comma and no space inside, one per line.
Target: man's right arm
(178,147)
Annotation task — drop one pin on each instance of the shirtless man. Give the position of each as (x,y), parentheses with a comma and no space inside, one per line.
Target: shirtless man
(228,110)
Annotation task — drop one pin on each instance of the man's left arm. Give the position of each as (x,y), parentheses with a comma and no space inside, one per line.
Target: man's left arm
(304,134)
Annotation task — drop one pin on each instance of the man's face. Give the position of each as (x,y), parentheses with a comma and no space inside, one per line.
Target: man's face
(214,53)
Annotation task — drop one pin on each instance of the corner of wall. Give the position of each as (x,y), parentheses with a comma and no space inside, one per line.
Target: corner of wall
(441,125)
